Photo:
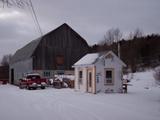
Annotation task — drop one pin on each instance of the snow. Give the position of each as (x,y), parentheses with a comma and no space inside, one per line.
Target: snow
(61,77)
(142,102)
(87,59)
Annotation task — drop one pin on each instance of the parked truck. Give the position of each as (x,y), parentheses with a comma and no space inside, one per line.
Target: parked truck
(32,81)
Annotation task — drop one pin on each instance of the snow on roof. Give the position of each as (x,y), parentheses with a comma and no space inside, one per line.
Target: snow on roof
(92,57)
(87,59)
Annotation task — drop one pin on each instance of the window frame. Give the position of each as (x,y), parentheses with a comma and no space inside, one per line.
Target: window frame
(80,76)
(105,77)
(90,79)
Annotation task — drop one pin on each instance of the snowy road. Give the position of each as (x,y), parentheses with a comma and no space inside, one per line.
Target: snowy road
(66,104)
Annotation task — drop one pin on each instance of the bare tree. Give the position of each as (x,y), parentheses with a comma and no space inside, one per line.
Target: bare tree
(138,33)
(6,59)
(109,37)
(24,4)
(117,35)
(112,35)
(130,36)
(17,3)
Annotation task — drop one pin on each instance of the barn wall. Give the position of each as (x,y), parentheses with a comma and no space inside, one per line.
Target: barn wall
(21,68)
(63,42)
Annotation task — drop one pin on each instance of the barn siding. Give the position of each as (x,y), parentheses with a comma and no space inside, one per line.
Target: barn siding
(62,41)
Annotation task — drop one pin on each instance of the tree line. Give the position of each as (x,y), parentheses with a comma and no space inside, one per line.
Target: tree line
(138,51)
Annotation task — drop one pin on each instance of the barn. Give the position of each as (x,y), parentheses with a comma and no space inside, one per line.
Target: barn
(53,53)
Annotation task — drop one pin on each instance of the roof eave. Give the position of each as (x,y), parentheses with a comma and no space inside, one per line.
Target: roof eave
(83,65)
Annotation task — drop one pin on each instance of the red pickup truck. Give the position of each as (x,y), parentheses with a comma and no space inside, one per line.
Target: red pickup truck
(32,81)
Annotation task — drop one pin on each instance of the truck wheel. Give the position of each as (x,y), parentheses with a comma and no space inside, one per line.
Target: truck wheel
(29,88)
(20,86)
(43,87)
(34,88)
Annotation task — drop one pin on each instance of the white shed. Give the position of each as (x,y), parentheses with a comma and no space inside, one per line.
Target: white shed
(99,73)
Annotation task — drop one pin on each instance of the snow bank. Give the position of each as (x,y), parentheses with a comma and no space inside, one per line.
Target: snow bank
(61,77)
(142,79)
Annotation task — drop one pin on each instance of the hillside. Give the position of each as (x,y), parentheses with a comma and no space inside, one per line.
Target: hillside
(143,52)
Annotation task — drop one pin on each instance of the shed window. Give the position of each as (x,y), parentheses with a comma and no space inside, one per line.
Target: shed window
(109,77)
(97,78)
(80,77)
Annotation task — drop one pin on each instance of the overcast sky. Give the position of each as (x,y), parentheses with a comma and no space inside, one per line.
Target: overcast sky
(90,18)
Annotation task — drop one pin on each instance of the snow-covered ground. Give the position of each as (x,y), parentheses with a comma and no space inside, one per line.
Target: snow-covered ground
(142,102)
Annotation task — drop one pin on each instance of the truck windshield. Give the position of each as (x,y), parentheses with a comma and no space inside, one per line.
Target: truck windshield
(33,77)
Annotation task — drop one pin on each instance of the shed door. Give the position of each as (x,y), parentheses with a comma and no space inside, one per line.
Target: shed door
(89,81)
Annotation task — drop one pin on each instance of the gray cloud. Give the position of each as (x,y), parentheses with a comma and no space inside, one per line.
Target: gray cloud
(90,18)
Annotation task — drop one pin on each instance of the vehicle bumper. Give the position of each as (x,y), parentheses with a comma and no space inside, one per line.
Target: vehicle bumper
(38,85)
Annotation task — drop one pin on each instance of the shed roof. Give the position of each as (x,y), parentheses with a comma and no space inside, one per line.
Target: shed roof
(88,59)
(91,58)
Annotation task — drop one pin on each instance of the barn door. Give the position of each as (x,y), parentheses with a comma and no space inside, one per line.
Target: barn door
(12,76)
(89,80)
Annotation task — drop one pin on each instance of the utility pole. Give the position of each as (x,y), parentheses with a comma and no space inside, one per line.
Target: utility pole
(119,49)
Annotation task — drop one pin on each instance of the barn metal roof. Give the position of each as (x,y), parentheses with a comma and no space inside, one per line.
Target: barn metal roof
(25,52)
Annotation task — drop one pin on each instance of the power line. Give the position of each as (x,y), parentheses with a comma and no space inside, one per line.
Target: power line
(23,4)
(35,18)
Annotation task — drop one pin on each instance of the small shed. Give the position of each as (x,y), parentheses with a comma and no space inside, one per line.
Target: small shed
(97,72)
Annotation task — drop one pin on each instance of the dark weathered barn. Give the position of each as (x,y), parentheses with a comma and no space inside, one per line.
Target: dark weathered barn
(55,52)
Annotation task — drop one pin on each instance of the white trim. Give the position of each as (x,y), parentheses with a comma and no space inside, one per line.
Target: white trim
(81,66)
(110,52)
